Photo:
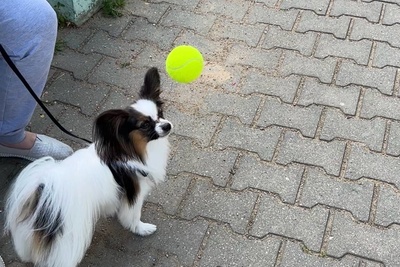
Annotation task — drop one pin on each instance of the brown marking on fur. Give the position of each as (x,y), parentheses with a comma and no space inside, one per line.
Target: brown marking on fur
(139,142)
(29,206)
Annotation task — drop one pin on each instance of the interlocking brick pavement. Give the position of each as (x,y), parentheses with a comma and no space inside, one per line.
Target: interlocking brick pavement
(285,151)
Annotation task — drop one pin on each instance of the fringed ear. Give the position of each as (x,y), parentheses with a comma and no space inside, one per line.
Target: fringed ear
(111,136)
(151,87)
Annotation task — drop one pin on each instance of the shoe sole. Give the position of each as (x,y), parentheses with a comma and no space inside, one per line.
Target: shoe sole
(2,155)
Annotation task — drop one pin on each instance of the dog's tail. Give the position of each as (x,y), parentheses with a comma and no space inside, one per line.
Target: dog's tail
(33,215)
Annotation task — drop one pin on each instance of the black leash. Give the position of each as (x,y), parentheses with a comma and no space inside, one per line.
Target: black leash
(16,71)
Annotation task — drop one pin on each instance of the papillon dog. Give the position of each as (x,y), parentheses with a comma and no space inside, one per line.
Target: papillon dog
(53,206)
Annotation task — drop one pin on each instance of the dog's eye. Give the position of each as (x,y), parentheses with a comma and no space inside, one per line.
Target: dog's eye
(145,125)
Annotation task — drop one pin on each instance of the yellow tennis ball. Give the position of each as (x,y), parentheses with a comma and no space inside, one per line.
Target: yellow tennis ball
(184,64)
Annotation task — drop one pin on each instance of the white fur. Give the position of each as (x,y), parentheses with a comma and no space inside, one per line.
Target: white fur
(84,189)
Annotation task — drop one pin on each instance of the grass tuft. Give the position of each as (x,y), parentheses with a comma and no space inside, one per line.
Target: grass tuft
(111,8)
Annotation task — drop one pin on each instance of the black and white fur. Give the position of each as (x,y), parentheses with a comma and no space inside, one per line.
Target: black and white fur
(53,206)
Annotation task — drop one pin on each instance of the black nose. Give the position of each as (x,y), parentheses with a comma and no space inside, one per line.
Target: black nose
(166,127)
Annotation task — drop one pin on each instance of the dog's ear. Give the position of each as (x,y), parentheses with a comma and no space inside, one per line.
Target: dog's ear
(111,135)
(151,88)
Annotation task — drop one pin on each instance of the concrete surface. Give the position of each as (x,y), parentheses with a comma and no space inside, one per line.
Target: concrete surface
(285,150)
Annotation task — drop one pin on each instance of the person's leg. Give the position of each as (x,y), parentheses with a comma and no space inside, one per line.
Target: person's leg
(28,31)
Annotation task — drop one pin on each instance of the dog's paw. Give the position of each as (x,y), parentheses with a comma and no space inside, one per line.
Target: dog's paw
(144,229)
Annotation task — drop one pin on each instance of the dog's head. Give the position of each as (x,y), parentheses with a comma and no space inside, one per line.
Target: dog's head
(123,134)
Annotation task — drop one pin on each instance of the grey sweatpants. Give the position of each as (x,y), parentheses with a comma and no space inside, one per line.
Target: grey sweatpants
(28,31)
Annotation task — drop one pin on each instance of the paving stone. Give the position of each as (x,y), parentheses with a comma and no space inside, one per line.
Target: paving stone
(222,77)
(77,93)
(327,155)
(294,254)
(254,173)
(301,42)
(228,249)
(364,163)
(391,15)
(188,4)
(258,13)
(356,50)
(176,17)
(227,206)
(370,11)
(112,47)
(387,211)
(234,134)
(235,9)
(211,50)
(322,69)
(393,146)
(250,34)
(274,217)
(268,3)
(112,72)
(312,22)
(113,25)
(40,121)
(151,11)
(170,193)
(79,64)
(376,104)
(116,99)
(304,119)
(388,1)
(320,188)
(161,36)
(257,58)
(347,236)
(73,38)
(318,6)
(150,56)
(199,127)
(385,55)
(369,132)
(206,162)
(362,29)
(382,79)
(344,98)
(244,108)
(284,88)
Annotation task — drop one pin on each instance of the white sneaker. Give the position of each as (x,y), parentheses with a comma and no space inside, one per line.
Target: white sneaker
(44,146)
(2,264)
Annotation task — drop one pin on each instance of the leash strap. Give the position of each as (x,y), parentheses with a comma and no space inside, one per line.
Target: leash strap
(21,77)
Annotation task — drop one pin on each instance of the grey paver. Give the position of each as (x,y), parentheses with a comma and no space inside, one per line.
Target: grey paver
(320,188)
(312,22)
(215,164)
(143,30)
(187,19)
(114,26)
(370,11)
(228,249)
(303,43)
(385,55)
(235,9)
(322,69)
(293,254)
(376,104)
(327,155)
(243,107)
(382,79)
(254,173)
(369,132)
(304,119)
(257,58)
(362,29)
(262,14)
(364,240)
(344,98)
(357,50)
(386,210)
(284,88)
(307,225)
(364,163)
(210,202)
(391,15)
(151,11)
(393,146)
(250,34)
(260,141)
(318,6)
